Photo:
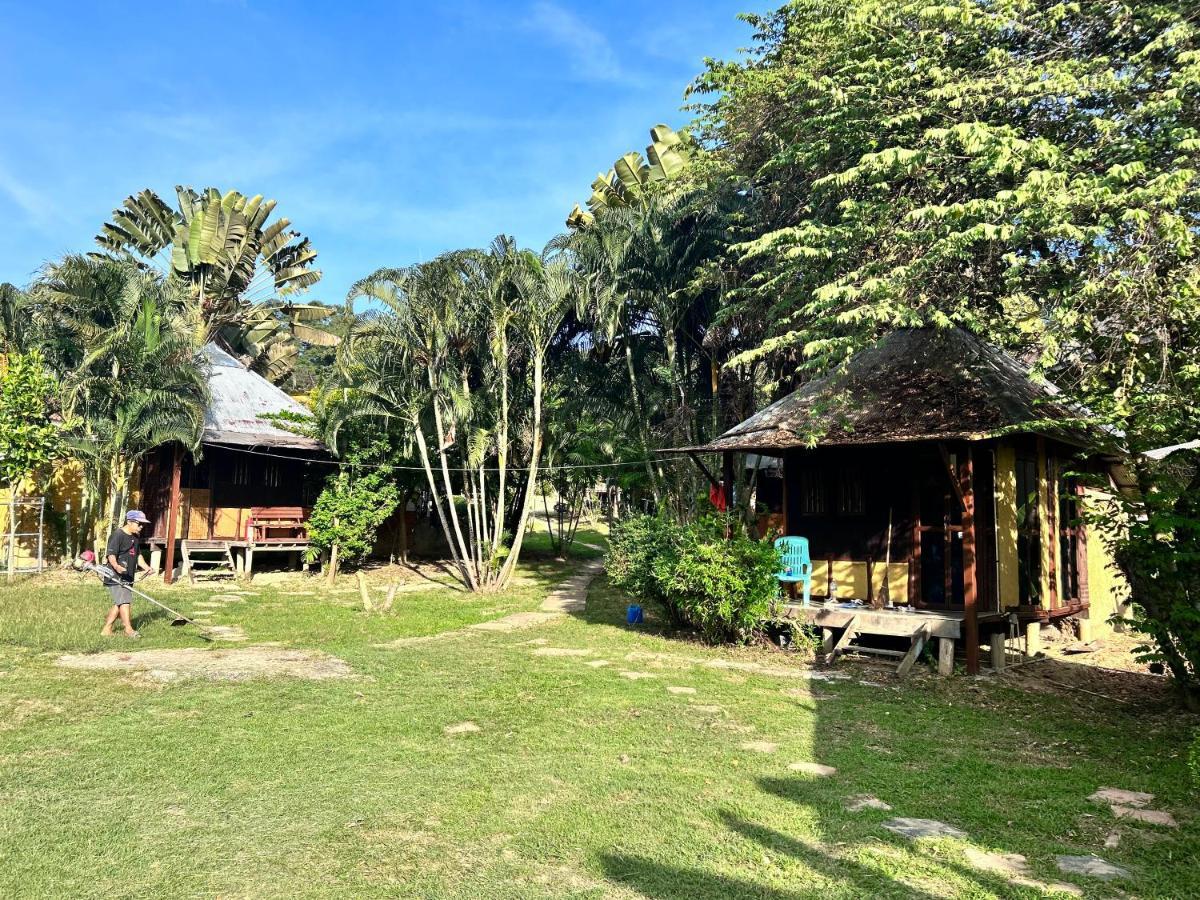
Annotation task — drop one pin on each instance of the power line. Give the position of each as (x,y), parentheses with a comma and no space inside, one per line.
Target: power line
(390,467)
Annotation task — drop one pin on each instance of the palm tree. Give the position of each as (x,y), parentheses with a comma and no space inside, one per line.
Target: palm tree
(18,320)
(242,271)
(455,333)
(601,254)
(136,381)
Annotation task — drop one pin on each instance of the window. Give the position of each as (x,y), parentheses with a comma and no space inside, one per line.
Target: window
(852,497)
(241,472)
(1029,538)
(1068,542)
(837,491)
(812,492)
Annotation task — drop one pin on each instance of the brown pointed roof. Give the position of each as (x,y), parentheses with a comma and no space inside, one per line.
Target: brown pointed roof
(915,384)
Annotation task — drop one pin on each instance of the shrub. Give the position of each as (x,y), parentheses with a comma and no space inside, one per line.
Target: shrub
(721,586)
(634,546)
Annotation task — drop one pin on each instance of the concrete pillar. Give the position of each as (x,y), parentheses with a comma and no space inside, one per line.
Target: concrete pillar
(1085,627)
(827,641)
(997,651)
(1033,638)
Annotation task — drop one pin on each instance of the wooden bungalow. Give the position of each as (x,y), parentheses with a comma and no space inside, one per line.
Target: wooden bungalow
(939,484)
(250,488)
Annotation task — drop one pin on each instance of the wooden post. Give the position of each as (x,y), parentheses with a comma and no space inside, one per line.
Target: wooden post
(970,581)
(920,636)
(727,477)
(827,641)
(914,562)
(997,647)
(945,656)
(173,515)
(1052,525)
(1081,555)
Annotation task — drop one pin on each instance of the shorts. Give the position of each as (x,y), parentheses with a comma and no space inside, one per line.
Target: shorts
(121,592)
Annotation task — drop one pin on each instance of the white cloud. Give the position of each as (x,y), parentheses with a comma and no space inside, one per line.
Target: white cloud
(37,208)
(590,53)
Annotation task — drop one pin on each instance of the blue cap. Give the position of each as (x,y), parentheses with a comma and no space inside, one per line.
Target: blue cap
(136,515)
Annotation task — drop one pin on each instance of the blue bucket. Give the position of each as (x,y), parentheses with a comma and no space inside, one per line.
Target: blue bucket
(633,615)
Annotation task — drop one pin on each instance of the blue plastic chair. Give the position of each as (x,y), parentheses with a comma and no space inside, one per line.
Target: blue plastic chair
(797,567)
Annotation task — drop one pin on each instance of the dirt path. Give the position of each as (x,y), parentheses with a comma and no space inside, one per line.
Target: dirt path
(569,596)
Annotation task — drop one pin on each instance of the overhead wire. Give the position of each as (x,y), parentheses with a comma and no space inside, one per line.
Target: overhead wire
(392,467)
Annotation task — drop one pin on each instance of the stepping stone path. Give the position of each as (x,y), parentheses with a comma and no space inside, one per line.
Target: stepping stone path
(462,728)
(815,769)
(635,676)
(1092,866)
(225,632)
(597,663)
(1113,840)
(1131,805)
(570,596)
(516,621)
(865,801)
(675,689)
(923,828)
(760,746)
(1015,868)
(1149,816)
(561,651)
(1123,797)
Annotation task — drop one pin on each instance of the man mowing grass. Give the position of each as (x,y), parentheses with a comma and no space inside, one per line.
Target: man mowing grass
(123,557)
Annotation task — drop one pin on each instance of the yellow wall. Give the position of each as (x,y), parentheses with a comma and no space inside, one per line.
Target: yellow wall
(1107,588)
(66,486)
(1006,525)
(851,578)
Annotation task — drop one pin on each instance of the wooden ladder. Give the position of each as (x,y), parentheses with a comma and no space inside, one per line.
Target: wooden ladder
(907,658)
(210,555)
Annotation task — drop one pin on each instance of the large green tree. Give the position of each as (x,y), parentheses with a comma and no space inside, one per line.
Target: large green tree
(1025,169)
(458,353)
(134,380)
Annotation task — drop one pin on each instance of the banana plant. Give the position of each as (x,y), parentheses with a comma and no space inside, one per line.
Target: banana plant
(629,181)
(242,270)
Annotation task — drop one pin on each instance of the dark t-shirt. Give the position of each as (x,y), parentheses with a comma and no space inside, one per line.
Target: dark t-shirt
(125,548)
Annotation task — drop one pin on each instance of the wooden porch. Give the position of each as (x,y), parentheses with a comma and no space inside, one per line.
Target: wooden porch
(842,623)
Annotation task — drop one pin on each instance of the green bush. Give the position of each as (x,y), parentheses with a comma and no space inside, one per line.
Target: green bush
(634,546)
(721,586)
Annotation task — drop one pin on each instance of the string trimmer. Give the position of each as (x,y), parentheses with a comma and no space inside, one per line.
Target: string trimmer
(86,562)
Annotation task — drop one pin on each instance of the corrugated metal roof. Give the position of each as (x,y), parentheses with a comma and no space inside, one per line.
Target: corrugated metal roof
(915,384)
(238,398)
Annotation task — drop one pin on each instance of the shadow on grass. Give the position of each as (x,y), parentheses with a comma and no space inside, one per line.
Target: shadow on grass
(655,879)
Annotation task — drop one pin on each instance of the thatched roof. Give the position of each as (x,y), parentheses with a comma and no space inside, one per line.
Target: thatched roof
(916,384)
(238,397)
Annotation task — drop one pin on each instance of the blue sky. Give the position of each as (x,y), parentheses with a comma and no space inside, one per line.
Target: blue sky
(388,132)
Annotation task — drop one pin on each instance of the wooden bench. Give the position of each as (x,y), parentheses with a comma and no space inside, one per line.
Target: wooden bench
(283,524)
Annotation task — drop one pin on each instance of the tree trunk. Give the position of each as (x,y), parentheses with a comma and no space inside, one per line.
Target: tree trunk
(405,498)
(331,575)
(451,511)
(501,452)
(514,554)
(423,449)
(639,415)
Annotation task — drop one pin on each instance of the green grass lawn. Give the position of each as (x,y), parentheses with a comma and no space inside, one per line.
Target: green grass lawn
(579,782)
